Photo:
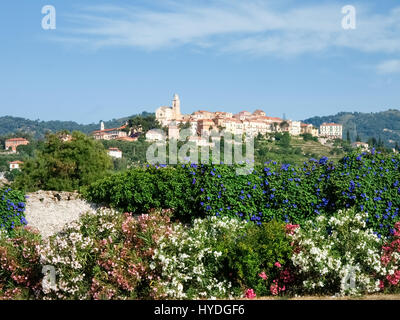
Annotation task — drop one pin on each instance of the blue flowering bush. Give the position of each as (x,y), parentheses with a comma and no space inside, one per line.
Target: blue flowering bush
(12,209)
(274,191)
(369,182)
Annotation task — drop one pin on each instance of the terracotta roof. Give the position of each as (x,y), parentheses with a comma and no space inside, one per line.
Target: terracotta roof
(234,120)
(202,111)
(331,124)
(114,149)
(16,162)
(258,111)
(107,130)
(126,139)
(17,139)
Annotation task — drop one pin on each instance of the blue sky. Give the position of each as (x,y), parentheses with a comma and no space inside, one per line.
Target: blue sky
(109,59)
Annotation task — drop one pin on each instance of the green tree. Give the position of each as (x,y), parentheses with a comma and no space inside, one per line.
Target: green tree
(144,124)
(64,165)
(284,140)
(182,126)
(348,136)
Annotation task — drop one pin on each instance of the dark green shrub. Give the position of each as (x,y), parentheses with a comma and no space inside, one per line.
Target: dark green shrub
(64,165)
(141,189)
(263,249)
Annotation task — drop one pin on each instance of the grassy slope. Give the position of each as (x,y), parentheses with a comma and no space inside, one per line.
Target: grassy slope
(309,149)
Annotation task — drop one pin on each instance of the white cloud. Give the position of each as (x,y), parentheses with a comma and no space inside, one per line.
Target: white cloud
(250,27)
(388,67)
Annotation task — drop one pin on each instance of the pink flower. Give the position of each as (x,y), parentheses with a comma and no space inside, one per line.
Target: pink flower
(290,228)
(277,264)
(250,294)
(274,288)
(381,285)
(263,275)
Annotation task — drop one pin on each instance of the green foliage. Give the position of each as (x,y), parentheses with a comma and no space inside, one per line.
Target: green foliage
(283,139)
(5,160)
(257,251)
(366,125)
(309,137)
(141,189)
(133,151)
(21,127)
(144,123)
(65,165)
(12,175)
(12,208)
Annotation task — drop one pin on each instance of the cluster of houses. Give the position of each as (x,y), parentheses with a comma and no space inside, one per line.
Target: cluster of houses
(203,122)
(11,145)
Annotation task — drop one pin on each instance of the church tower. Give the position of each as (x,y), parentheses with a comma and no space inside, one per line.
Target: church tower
(101,125)
(176,107)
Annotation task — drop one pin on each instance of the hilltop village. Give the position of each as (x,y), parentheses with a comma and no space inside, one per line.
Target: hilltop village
(203,122)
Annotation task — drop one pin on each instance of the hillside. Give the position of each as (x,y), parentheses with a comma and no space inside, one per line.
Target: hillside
(384,125)
(296,152)
(38,129)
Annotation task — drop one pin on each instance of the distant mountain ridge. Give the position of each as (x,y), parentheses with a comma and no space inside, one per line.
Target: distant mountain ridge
(384,125)
(10,125)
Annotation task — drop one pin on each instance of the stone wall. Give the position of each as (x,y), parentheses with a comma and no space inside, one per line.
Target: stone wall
(50,211)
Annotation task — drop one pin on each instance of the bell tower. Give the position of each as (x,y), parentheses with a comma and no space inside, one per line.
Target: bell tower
(176,107)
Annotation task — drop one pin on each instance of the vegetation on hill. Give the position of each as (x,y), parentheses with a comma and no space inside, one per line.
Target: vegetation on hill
(380,125)
(295,150)
(38,129)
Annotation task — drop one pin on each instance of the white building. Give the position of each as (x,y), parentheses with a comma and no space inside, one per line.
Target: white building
(155,135)
(309,128)
(173,132)
(294,128)
(362,145)
(331,130)
(115,153)
(110,134)
(200,141)
(15,165)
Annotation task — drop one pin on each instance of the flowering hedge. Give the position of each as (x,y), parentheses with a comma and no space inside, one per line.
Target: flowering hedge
(20,276)
(109,255)
(333,253)
(12,208)
(391,261)
(291,194)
